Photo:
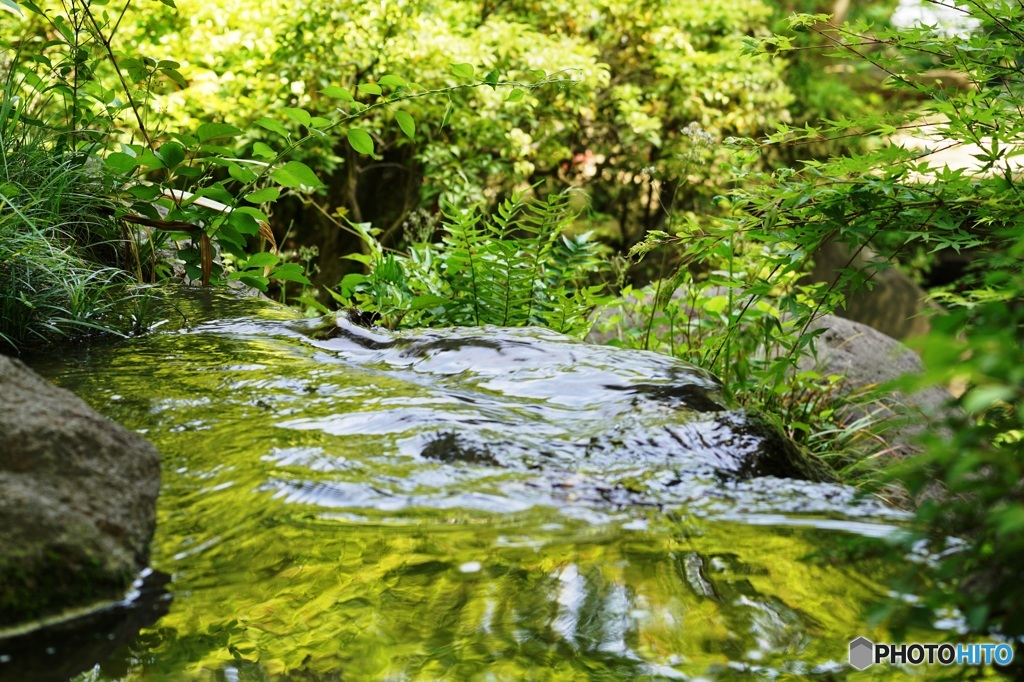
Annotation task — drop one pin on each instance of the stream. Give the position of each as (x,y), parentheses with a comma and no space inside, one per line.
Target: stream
(341,503)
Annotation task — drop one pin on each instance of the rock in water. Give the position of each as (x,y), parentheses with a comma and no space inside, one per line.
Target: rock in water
(77,500)
(533,395)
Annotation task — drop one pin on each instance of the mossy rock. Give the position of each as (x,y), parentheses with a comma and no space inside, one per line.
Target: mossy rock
(77,500)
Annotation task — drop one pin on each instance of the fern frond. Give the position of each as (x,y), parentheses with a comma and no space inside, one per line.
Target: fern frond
(465,243)
(511,268)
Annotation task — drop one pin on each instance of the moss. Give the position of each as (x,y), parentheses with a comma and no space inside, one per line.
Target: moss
(781,457)
(35,586)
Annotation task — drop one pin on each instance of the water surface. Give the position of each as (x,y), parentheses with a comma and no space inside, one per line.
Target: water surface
(312,532)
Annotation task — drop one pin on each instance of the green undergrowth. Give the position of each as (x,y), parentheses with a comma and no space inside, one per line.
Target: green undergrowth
(746,271)
(58,246)
(518,266)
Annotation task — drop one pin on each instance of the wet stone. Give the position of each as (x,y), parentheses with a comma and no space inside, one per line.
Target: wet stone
(535,396)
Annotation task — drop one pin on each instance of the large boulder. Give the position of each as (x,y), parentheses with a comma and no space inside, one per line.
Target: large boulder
(77,500)
(531,395)
(888,300)
(867,358)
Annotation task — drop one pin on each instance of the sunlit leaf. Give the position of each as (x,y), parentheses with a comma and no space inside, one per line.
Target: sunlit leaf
(339,92)
(262,260)
(263,195)
(210,131)
(360,141)
(296,174)
(463,70)
(241,173)
(370,88)
(406,123)
(291,272)
(254,212)
(273,126)
(393,81)
(263,151)
(300,116)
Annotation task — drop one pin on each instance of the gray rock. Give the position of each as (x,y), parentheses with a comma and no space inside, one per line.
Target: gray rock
(868,358)
(77,500)
(888,300)
(567,402)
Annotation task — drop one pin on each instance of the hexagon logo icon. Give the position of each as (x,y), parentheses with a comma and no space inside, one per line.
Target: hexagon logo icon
(862,653)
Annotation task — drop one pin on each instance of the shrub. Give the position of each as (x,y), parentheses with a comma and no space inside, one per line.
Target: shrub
(893,195)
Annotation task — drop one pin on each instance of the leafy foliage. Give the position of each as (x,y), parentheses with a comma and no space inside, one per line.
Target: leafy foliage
(631,79)
(517,267)
(201,188)
(894,195)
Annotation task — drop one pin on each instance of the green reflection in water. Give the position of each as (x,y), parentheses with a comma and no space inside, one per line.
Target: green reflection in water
(311,553)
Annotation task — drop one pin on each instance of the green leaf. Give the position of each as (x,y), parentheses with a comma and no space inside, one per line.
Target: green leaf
(463,70)
(253,281)
(172,154)
(12,7)
(150,160)
(190,172)
(406,123)
(360,141)
(428,301)
(447,113)
(263,151)
(291,272)
(249,210)
(370,88)
(262,260)
(121,163)
(515,95)
(263,195)
(210,131)
(983,397)
(300,116)
(175,75)
(491,78)
(339,92)
(296,174)
(243,223)
(349,283)
(393,81)
(241,173)
(273,126)
(144,192)
(185,139)
(215,192)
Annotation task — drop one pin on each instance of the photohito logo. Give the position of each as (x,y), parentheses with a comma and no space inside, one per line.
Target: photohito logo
(864,652)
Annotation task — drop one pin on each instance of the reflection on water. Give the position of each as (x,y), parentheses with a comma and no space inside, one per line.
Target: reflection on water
(309,538)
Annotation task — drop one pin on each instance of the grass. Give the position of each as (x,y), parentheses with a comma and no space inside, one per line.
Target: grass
(58,274)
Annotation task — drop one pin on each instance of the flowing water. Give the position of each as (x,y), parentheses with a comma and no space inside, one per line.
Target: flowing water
(340,504)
